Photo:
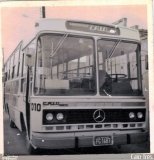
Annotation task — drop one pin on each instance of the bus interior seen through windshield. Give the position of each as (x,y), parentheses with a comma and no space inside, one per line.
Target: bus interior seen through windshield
(67,65)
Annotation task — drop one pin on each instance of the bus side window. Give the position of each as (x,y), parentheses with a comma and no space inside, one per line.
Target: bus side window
(12,66)
(39,52)
(17,62)
(18,69)
(146,62)
(6,76)
(13,69)
(9,75)
(22,67)
(29,52)
(22,85)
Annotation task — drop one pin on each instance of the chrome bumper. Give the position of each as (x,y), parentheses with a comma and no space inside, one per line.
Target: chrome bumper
(83,139)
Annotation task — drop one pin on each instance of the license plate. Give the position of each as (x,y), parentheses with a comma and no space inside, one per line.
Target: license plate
(102,140)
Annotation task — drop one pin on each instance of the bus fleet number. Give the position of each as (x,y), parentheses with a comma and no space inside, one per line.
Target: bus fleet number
(36,107)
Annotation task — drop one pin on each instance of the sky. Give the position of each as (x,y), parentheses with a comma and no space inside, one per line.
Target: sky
(18,22)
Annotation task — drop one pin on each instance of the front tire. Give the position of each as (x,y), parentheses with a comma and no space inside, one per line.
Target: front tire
(12,124)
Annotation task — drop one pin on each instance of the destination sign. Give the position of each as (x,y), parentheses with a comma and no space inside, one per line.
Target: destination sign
(94,28)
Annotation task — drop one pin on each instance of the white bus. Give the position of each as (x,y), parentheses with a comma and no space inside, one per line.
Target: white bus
(77,84)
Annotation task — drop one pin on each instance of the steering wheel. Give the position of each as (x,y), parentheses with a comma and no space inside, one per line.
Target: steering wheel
(117,76)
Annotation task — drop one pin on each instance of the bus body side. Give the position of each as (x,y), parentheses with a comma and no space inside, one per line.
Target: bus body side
(14,98)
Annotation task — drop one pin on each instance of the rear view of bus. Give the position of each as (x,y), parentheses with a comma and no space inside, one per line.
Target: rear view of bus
(84,86)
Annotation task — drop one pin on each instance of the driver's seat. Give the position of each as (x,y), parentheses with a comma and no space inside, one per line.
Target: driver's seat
(122,88)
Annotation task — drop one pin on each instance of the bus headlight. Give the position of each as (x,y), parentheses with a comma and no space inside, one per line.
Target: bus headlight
(49,116)
(112,31)
(60,116)
(131,115)
(140,115)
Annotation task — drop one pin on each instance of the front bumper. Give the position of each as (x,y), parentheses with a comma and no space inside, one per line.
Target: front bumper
(84,139)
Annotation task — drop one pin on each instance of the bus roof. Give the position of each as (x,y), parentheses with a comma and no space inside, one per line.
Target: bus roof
(87,27)
(83,27)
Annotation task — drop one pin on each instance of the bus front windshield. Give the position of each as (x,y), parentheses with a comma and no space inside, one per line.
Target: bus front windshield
(118,63)
(65,65)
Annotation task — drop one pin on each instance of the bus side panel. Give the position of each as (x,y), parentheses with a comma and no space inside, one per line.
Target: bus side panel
(21,108)
(17,120)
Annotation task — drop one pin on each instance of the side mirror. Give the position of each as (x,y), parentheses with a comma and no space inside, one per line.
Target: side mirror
(29,60)
(146,62)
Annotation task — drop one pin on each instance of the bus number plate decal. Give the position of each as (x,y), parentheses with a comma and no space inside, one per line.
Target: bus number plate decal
(102,140)
(36,107)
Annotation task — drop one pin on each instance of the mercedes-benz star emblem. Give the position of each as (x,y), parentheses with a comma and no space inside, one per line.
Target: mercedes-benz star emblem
(99,115)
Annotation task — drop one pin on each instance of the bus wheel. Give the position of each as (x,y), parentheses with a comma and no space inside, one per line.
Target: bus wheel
(12,124)
(30,148)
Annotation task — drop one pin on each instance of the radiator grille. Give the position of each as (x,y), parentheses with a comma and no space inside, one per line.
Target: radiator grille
(80,116)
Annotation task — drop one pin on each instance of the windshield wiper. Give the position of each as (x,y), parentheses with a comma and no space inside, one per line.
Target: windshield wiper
(106,93)
(58,45)
(113,49)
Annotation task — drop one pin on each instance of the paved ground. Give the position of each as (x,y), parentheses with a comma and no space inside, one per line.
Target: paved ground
(14,144)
